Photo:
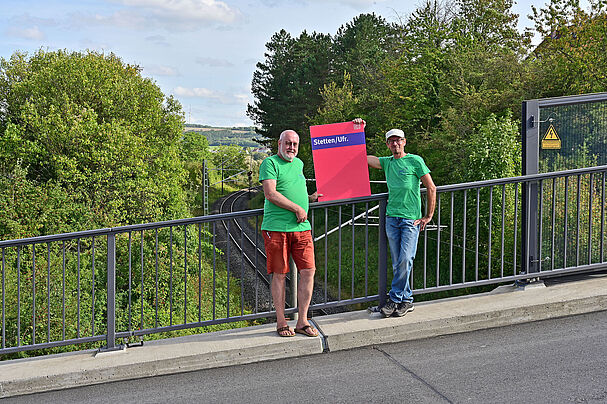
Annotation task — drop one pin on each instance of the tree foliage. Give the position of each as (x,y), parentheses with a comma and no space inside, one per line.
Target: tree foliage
(89,126)
(571,58)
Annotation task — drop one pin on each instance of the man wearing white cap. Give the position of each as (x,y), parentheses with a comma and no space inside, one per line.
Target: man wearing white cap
(404,218)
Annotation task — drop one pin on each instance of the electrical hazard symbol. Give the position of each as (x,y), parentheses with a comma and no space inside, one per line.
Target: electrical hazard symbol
(551,140)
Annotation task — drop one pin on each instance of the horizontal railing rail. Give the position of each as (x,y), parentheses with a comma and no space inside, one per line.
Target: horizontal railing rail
(156,278)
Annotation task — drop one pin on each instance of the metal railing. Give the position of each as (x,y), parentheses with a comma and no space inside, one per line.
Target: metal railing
(116,283)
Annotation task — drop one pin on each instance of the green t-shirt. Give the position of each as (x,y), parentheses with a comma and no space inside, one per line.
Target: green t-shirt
(291,183)
(403,178)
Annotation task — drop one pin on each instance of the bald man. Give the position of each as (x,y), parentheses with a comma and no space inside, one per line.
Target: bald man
(286,230)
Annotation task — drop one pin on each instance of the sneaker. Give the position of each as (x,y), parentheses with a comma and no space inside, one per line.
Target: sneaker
(403,308)
(388,308)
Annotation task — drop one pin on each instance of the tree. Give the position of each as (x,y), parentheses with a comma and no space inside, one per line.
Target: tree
(94,127)
(286,85)
(194,146)
(571,58)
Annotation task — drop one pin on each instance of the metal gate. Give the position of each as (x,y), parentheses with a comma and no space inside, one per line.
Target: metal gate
(563,133)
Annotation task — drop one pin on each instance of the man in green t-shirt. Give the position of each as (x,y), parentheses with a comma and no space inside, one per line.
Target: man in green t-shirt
(286,231)
(404,218)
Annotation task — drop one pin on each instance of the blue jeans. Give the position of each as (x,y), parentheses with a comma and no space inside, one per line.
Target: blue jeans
(402,236)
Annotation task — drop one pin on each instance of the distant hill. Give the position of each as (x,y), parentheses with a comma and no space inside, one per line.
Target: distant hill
(217,136)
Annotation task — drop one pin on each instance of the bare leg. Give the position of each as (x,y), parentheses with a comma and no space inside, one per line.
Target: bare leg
(304,295)
(278,295)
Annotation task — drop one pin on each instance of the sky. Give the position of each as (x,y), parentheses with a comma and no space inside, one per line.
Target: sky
(203,52)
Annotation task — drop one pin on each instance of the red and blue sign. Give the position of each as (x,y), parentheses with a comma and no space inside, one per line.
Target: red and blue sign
(340,161)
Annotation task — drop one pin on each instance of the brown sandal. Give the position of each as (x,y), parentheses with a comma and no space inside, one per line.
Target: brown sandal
(307,330)
(285,328)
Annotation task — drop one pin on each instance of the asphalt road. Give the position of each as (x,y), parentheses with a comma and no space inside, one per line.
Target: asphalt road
(552,361)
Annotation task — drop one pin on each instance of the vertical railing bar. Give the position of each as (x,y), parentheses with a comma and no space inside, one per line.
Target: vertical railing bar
(326,253)
(93,287)
(353,251)
(541,225)
(256,261)
(156,254)
(214,268)
(312,222)
(603,215)
(171,275)
(565,222)
(339,255)
(199,272)
(142,290)
(553,223)
(78,301)
(48,292)
(185,274)
(451,239)
(130,252)
(3,303)
(438,239)
(489,245)
(19,296)
(34,294)
(515,227)
(426,254)
(111,291)
(63,292)
(242,272)
(590,219)
(527,225)
(577,218)
(382,259)
(503,230)
(464,236)
(228,269)
(366,249)
(478,208)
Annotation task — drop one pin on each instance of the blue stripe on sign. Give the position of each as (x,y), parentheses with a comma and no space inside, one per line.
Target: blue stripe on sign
(348,139)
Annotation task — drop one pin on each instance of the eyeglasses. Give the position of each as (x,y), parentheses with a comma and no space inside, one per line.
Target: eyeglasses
(397,140)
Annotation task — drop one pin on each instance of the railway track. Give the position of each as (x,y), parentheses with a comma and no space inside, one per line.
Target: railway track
(249,246)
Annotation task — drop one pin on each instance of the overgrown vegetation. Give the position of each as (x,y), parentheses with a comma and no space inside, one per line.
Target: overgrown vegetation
(86,142)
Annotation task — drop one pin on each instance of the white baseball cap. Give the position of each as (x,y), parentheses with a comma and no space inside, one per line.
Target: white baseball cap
(395,132)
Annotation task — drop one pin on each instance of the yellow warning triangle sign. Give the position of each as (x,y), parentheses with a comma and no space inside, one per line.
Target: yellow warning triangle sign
(551,139)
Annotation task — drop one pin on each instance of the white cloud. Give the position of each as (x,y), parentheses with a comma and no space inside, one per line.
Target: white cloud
(158,40)
(205,93)
(356,4)
(186,11)
(28,33)
(212,62)
(158,70)
(28,27)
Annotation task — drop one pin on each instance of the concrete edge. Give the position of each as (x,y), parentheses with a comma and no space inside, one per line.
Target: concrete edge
(89,371)
(390,333)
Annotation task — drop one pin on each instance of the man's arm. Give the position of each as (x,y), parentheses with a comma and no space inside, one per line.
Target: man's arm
(373,161)
(278,199)
(431,197)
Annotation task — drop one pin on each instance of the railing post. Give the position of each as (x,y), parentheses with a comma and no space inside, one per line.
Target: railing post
(382,264)
(531,143)
(293,269)
(111,293)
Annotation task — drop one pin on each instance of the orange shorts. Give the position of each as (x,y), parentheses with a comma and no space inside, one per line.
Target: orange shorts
(280,244)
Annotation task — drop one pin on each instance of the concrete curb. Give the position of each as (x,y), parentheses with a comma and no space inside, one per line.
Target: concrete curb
(162,357)
(339,331)
(450,316)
